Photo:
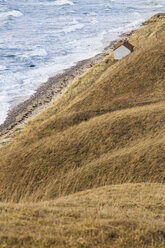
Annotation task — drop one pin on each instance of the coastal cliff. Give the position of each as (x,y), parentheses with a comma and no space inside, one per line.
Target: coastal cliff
(99,147)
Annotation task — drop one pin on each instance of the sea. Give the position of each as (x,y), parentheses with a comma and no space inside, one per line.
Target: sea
(41,38)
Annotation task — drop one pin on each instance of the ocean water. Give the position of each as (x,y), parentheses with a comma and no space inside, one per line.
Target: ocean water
(40,38)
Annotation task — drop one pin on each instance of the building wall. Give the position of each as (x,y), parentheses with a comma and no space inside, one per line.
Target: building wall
(121,52)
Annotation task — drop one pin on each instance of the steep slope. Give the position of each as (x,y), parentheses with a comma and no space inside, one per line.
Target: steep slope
(108,128)
(125,146)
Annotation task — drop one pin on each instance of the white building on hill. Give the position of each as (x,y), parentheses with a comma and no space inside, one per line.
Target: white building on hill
(122,49)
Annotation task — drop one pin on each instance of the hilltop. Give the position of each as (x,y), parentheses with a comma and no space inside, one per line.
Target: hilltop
(103,137)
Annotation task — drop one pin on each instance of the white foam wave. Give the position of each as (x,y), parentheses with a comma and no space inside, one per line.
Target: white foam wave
(72,28)
(92,14)
(18,87)
(57,3)
(63,2)
(159,6)
(94,21)
(2,67)
(28,43)
(36,52)
(127,27)
(4,107)
(14,13)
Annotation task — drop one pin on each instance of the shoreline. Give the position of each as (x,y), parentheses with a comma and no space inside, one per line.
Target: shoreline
(49,91)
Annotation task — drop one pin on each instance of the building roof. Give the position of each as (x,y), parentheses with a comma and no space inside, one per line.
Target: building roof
(126,44)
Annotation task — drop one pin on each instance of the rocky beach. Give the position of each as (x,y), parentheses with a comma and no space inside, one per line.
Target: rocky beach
(82,161)
(49,91)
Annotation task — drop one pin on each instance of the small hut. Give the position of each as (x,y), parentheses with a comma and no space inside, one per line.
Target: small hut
(122,49)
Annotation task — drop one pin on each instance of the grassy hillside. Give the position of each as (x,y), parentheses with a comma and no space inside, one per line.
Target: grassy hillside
(88,172)
(120,216)
(108,128)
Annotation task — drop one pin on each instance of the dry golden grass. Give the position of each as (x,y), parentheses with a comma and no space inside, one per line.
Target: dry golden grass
(123,146)
(106,133)
(153,29)
(120,216)
(143,40)
(108,128)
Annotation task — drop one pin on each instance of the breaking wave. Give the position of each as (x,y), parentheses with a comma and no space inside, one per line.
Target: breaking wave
(40,38)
